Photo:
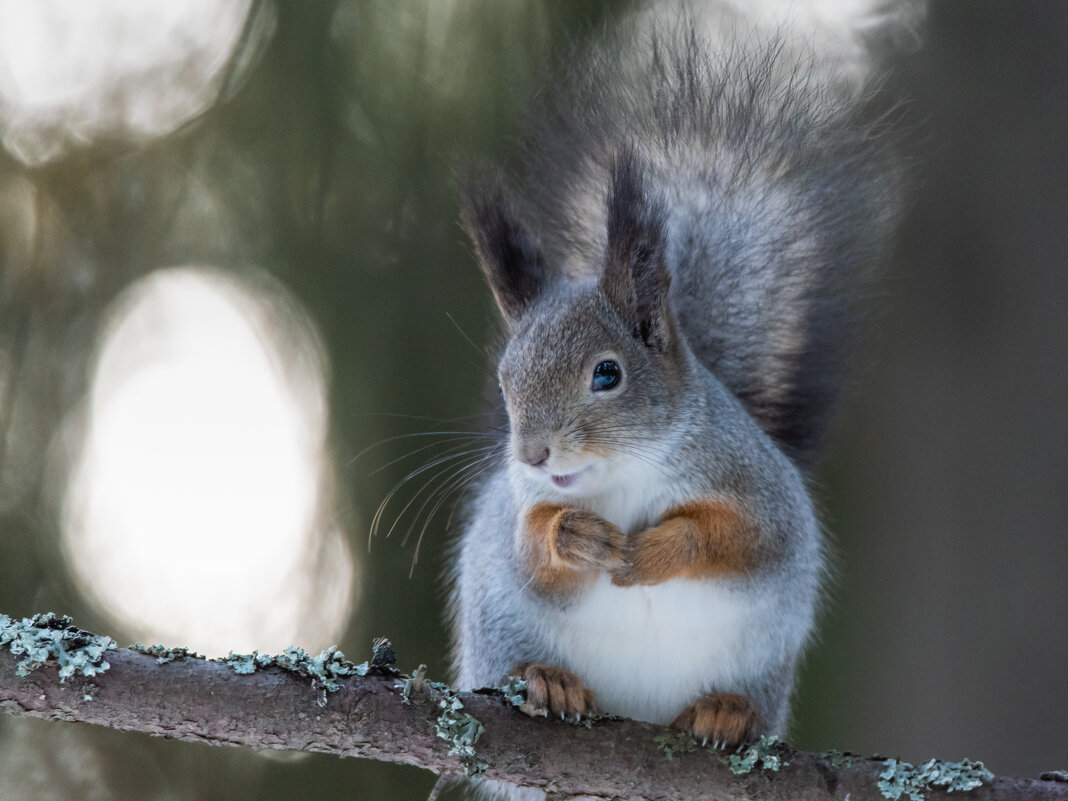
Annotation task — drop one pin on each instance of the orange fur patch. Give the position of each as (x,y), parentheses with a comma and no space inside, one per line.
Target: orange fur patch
(564,547)
(704,539)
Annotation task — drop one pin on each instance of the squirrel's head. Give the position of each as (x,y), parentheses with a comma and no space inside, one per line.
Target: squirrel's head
(592,371)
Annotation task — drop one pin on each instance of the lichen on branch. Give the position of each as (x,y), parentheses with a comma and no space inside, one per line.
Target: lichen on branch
(47,637)
(51,669)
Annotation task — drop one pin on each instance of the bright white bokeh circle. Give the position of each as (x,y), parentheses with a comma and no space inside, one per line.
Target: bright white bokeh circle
(75,71)
(197,512)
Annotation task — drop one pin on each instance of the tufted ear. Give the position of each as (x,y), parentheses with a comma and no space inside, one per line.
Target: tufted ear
(635,278)
(508,253)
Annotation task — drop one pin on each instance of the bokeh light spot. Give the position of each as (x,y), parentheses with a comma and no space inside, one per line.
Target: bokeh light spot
(71,73)
(198,512)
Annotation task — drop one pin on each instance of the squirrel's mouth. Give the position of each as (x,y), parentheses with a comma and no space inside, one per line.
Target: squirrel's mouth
(567,480)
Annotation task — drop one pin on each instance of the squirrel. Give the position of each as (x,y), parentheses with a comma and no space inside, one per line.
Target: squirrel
(679,269)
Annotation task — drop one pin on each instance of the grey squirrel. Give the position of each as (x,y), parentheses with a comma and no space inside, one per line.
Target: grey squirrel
(678,269)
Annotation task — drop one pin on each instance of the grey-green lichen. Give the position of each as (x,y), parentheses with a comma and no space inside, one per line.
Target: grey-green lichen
(247,663)
(675,742)
(761,754)
(838,758)
(48,636)
(162,653)
(460,729)
(417,682)
(514,690)
(453,724)
(414,683)
(324,670)
(903,779)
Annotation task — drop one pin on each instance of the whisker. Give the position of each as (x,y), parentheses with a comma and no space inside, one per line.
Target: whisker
(443,487)
(473,434)
(465,441)
(422,488)
(429,466)
(422,417)
(484,352)
(467,476)
(376,520)
(633,449)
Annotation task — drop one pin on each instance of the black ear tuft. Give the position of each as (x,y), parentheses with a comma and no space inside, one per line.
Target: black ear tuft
(635,278)
(509,255)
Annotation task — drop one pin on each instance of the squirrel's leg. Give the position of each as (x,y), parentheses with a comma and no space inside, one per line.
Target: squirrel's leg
(703,539)
(723,719)
(730,720)
(554,689)
(563,548)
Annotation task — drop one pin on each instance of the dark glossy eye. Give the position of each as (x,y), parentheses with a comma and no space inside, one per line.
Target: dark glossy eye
(606,375)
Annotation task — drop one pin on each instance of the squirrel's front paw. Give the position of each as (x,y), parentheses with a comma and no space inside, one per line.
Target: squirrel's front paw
(555,690)
(726,720)
(650,557)
(641,562)
(585,540)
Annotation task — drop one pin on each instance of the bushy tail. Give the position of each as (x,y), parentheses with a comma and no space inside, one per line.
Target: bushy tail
(750,121)
(838,34)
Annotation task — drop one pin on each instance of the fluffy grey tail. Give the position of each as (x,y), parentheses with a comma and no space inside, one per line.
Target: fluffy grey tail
(780,191)
(835,36)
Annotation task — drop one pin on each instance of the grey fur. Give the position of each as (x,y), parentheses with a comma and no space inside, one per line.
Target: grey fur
(704,211)
(780,194)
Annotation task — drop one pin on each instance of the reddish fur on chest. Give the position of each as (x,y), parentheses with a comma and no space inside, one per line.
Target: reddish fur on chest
(564,548)
(701,539)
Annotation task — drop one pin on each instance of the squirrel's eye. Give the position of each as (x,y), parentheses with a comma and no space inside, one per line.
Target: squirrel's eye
(606,375)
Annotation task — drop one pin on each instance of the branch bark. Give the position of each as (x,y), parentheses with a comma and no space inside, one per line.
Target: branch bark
(207,701)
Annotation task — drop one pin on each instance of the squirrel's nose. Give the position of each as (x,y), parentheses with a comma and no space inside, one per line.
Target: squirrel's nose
(535,455)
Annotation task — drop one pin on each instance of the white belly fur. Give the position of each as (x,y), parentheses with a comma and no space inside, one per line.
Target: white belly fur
(649,652)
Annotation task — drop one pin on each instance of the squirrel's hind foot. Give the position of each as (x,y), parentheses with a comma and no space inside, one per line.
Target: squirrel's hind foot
(723,719)
(553,690)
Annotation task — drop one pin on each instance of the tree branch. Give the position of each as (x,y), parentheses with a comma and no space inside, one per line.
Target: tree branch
(191,698)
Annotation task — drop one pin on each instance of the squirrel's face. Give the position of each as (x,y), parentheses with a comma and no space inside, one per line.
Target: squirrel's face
(588,400)
(589,372)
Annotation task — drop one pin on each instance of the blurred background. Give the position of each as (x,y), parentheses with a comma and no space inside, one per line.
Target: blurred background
(235,300)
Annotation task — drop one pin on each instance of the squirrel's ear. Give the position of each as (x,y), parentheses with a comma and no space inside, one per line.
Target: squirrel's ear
(508,253)
(635,277)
